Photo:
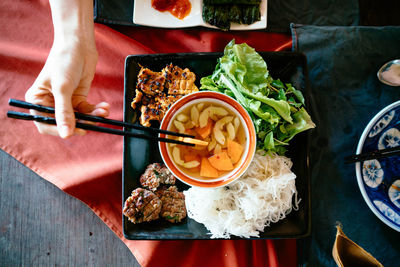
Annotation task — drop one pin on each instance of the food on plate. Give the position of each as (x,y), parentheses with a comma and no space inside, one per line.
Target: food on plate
(207,170)
(263,195)
(156,174)
(179,81)
(223,135)
(221,161)
(178,8)
(157,199)
(235,150)
(157,91)
(142,206)
(276,108)
(221,13)
(150,82)
(173,204)
(266,192)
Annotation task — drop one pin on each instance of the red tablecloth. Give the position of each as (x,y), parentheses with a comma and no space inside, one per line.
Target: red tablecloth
(89,167)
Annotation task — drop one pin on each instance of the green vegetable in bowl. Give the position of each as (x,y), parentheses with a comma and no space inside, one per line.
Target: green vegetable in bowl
(277,109)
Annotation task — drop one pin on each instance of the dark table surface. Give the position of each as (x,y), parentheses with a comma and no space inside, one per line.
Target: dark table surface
(345,95)
(71,232)
(40,225)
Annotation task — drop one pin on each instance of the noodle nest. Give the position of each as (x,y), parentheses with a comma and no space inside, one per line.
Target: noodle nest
(244,208)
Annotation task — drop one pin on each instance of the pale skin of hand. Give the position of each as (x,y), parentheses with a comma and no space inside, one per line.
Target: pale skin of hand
(65,79)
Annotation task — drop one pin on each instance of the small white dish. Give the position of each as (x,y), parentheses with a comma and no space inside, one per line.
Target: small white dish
(144,14)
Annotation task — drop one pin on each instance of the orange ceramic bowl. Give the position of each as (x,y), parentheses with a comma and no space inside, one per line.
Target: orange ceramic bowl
(228,103)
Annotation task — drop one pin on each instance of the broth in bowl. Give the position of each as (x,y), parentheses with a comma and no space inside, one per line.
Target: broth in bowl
(223,136)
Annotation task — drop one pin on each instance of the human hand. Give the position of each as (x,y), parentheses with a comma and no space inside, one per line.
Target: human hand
(65,79)
(64,83)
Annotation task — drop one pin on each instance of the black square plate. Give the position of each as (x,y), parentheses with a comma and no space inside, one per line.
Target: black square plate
(138,153)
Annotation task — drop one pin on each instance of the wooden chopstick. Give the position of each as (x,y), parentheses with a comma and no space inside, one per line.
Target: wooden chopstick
(193,141)
(90,127)
(82,116)
(376,154)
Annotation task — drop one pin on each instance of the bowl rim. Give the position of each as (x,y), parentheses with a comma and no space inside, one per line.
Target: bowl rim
(358,166)
(232,109)
(250,133)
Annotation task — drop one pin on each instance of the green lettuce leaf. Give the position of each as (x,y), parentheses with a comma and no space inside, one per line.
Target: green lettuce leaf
(282,107)
(269,143)
(207,83)
(276,108)
(297,93)
(243,64)
(301,122)
(263,113)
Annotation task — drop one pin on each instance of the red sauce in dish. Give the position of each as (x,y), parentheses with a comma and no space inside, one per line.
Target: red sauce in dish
(178,8)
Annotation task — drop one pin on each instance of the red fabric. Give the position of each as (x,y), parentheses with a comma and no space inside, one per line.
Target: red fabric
(89,167)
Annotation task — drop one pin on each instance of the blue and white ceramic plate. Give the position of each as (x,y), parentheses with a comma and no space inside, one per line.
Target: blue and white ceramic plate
(379,179)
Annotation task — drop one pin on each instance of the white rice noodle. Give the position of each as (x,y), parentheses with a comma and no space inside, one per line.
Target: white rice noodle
(244,208)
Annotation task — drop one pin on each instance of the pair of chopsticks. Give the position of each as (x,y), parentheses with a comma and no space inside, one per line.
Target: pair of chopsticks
(377,154)
(183,139)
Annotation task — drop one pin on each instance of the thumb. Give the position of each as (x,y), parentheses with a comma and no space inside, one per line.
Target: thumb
(64,112)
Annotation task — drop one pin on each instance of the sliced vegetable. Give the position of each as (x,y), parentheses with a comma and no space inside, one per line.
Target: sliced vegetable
(217,149)
(212,144)
(207,170)
(205,131)
(176,154)
(236,123)
(179,126)
(217,131)
(189,125)
(231,131)
(235,151)
(191,164)
(200,107)
(210,111)
(221,161)
(194,115)
(182,118)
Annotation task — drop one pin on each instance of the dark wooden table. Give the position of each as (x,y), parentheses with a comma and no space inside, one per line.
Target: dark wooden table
(40,225)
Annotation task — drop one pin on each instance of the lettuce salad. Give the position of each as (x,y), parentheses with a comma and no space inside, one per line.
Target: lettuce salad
(277,109)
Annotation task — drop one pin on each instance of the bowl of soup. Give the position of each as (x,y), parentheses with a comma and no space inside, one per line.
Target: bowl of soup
(224,135)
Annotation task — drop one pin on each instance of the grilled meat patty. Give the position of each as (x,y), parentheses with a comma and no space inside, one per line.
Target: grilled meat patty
(156,174)
(150,82)
(151,112)
(157,91)
(173,204)
(179,81)
(137,99)
(142,206)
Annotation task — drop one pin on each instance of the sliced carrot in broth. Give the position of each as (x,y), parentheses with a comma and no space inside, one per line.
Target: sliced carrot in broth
(221,161)
(235,151)
(206,170)
(205,131)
